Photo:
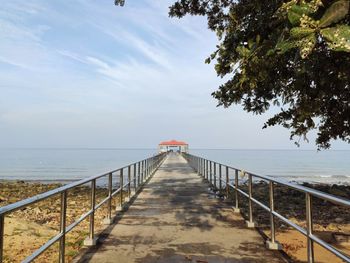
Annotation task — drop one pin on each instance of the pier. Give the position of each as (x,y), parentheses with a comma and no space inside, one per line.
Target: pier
(176,218)
(177,207)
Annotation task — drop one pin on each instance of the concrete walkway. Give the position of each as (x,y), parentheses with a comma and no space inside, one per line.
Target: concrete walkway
(176,219)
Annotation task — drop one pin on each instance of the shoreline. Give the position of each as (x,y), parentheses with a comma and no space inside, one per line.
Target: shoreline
(286,179)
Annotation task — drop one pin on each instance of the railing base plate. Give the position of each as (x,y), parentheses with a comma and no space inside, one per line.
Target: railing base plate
(119,208)
(249,224)
(273,245)
(90,242)
(236,210)
(107,221)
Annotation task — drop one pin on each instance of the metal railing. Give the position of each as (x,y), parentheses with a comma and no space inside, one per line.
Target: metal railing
(137,174)
(208,170)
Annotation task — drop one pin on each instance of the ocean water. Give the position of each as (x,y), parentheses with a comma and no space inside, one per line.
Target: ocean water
(72,164)
(65,164)
(292,165)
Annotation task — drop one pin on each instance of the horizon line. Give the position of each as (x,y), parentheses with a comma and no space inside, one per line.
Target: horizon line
(155,148)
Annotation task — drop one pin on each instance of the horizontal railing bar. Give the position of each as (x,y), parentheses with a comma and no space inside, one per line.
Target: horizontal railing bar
(116,191)
(260,204)
(101,203)
(42,249)
(253,199)
(68,229)
(284,219)
(243,193)
(329,197)
(287,221)
(313,192)
(77,222)
(32,200)
(239,190)
(330,248)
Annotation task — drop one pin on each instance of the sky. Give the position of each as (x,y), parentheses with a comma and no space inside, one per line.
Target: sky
(85,73)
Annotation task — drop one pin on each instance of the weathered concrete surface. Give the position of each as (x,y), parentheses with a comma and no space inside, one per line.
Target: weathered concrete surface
(176,219)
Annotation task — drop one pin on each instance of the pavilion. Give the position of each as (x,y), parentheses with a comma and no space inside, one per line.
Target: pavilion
(173,145)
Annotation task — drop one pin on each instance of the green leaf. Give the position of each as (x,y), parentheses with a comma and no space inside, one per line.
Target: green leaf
(337,38)
(296,12)
(258,38)
(335,13)
(243,51)
(283,46)
(306,45)
(300,32)
(293,16)
(251,43)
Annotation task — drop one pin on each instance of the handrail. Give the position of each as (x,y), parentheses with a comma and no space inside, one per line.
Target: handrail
(204,168)
(142,170)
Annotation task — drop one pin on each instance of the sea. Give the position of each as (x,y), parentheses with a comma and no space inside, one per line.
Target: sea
(66,165)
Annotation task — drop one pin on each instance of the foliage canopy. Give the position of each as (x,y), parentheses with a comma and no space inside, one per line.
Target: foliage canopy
(294,54)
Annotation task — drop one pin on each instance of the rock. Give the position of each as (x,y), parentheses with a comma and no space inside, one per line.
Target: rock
(3,199)
(342,239)
(37,210)
(339,220)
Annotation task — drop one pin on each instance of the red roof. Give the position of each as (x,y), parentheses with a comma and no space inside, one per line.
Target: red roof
(173,142)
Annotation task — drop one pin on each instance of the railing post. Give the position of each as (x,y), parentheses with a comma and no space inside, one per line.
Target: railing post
(146,169)
(202,168)
(236,208)
(91,240)
(121,182)
(142,167)
(250,222)
(272,221)
(129,182)
(135,186)
(210,173)
(206,170)
(108,219)
(2,232)
(63,213)
(214,176)
(309,228)
(220,177)
(198,166)
(152,166)
(227,182)
(138,174)
(272,243)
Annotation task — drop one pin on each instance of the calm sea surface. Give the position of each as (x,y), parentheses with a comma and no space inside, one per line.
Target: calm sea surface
(73,164)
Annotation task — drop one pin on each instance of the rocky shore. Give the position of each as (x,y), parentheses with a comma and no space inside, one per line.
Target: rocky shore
(29,228)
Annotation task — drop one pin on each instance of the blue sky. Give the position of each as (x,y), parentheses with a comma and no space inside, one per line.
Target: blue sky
(85,73)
